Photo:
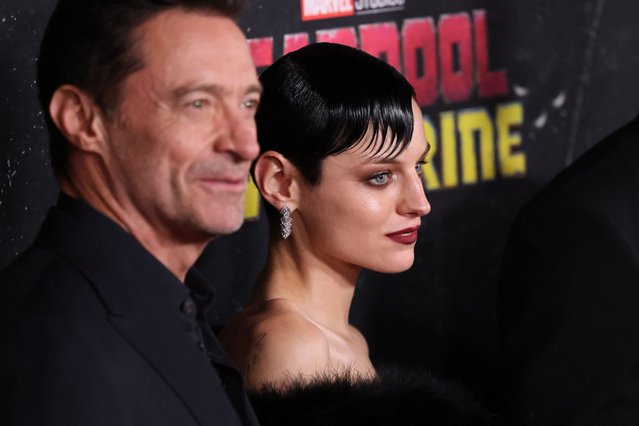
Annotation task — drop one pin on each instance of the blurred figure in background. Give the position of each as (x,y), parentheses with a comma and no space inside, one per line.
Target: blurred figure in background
(569,294)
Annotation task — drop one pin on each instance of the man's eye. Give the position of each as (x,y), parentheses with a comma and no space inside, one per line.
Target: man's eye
(251,103)
(198,103)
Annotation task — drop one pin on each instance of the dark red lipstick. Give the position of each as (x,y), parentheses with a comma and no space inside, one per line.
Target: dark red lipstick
(405,236)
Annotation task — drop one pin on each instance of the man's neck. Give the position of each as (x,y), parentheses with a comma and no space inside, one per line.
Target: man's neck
(177,255)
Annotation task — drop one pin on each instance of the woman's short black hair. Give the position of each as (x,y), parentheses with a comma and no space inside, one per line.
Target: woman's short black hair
(91,45)
(322,99)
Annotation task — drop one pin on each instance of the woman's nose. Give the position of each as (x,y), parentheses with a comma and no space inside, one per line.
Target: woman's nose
(415,201)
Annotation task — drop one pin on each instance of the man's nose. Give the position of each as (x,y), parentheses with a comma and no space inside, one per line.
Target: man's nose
(239,135)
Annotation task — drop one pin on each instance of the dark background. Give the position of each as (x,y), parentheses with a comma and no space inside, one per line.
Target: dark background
(441,313)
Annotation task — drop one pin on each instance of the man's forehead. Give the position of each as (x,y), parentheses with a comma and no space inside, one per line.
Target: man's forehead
(175,27)
(191,48)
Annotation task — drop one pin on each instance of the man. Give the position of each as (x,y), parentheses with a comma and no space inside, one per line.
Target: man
(150,108)
(570,294)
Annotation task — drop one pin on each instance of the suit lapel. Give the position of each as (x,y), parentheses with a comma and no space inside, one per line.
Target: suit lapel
(174,356)
(143,299)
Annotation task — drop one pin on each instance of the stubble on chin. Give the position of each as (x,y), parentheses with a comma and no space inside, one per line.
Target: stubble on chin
(222,220)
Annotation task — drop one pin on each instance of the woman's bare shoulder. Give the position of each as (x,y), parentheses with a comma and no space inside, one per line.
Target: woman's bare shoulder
(280,318)
(359,339)
(274,343)
(272,316)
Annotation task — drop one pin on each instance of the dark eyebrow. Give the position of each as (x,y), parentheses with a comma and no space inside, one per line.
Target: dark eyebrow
(255,88)
(393,159)
(184,90)
(214,89)
(423,157)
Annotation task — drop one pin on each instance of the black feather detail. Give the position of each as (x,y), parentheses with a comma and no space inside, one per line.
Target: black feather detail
(395,397)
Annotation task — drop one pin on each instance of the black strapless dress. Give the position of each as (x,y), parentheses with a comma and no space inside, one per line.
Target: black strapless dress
(397,397)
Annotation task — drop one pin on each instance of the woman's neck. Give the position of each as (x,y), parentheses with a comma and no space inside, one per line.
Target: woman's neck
(321,288)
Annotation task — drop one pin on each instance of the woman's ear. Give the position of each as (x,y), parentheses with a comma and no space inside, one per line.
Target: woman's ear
(78,118)
(276,178)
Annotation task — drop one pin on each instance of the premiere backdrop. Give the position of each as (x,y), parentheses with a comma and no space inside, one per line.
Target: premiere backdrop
(512,92)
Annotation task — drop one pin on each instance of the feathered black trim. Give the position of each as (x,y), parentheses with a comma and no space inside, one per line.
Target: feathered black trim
(396,397)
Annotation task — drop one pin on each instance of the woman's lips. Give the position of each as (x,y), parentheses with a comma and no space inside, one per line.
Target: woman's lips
(405,236)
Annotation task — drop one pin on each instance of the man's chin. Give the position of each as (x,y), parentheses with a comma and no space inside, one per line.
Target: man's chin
(224,228)
(214,221)
(231,229)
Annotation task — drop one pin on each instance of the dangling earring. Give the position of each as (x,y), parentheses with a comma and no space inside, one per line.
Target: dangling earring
(286,222)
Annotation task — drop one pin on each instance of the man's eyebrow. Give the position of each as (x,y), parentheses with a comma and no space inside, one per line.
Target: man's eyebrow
(186,89)
(214,89)
(255,88)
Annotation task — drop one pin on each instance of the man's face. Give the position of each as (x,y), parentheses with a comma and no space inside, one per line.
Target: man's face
(183,136)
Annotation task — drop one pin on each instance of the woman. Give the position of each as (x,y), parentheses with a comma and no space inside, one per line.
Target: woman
(340,172)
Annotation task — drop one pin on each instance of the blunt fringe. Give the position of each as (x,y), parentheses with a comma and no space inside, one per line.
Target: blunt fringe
(324,98)
(91,44)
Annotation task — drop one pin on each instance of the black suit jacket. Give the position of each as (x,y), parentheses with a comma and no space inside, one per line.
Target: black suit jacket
(92,334)
(569,295)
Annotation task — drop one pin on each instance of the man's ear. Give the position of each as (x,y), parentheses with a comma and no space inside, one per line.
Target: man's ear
(78,118)
(277,179)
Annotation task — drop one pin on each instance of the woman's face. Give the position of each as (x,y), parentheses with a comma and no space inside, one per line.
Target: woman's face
(366,210)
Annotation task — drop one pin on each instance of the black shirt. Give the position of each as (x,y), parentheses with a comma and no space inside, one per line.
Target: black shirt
(95,330)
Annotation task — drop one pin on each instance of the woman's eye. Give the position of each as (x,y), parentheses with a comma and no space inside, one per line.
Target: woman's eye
(379,179)
(419,167)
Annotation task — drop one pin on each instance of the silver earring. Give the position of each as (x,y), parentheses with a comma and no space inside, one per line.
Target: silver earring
(286,222)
